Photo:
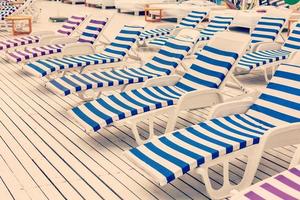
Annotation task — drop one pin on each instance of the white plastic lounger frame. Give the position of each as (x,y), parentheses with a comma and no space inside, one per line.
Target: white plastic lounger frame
(195,93)
(163,63)
(235,129)
(89,38)
(284,185)
(68,29)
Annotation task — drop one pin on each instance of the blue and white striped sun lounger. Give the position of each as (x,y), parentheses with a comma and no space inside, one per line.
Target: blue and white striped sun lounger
(90,34)
(221,139)
(258,59)
(208,72)
(267,29)
(192,20)
(113,53)
(217,24)
(67,29)
(164,62)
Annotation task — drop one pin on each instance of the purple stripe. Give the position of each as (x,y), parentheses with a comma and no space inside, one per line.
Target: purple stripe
(288,182)
(98,22)
(277,192)
(77,17)
(253,196)
(295,171)
(71,22)
(87,41)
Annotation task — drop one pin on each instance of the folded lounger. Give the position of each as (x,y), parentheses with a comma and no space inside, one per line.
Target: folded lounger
(217,24)
(192,20)
(268,54)
(200,86)
(163,63)
(89,36)
(250,127)
(67,29)
(114,53)
(285,185)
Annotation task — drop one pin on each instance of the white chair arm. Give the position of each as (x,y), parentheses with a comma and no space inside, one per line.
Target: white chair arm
(162,81)
(280,136)
(42,33)
(230,108)
(199,99)
(78,49)
(65,40)
(262,46)
(47,39)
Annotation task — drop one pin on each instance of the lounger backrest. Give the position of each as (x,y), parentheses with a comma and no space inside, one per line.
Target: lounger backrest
(217,24)
(168,57)
(123,42)
(92,30)
(278,3)
(279,103)
(208,70)
(214,62)
(70,25)
(267,29)
(293,41)
(192,19)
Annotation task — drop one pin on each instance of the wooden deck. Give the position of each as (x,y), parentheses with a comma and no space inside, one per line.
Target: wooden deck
(44,154)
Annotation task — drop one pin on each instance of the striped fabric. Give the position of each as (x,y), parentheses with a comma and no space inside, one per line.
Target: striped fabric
(267,29)
(114,52)
(259,58)
(89,35)
(207,71)
(7,11)
(67,28)
(170,156)
(190,21)
(218,24)
(163,63)
(279,3)
(285,185)
(70,25)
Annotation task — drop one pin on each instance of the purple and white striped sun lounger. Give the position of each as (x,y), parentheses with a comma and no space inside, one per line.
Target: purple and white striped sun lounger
(90,35)
(67,29)
(285,185)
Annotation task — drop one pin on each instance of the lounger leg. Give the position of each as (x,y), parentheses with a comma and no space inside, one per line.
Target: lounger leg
(227,187)
(171,123)
(137,136)
(296,158)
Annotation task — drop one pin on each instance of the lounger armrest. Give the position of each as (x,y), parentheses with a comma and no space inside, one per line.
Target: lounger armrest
(262,46)
(280,136)
(162,81)
(47,39)
(199,99)
(43,33)
(67,40)
(230,108)
(78,49)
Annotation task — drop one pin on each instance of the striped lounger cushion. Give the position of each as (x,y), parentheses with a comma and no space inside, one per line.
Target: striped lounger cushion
(285,185)
(259,58)
(208,71)
(218,24)
(190,21)
(114,52)
(163,63)
(267,29)
(7,11)
(67,28)
(89,35)
(170,156)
